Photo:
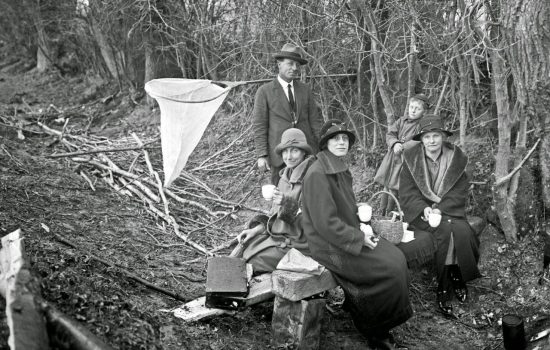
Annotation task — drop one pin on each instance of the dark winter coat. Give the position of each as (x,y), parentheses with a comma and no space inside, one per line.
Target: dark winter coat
(284,224)
(415,194)
(401,131)
(375,281)
(272,116)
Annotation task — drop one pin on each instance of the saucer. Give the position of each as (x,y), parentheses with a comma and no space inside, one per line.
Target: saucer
(408,240)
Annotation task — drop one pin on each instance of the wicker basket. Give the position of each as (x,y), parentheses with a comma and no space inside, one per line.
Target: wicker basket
(386,226)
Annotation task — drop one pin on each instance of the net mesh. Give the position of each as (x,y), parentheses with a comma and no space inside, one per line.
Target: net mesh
(186,108)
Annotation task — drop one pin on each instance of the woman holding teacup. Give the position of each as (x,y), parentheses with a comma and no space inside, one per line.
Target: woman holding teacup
(433,189)
(268,238)
(373,274)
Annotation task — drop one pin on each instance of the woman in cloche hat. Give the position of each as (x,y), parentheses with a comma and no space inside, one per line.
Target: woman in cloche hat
(433,191)
(373,274)
(268,238)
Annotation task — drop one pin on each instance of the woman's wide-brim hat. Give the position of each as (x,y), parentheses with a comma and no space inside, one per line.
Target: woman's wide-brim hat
(293,138)
(292,52)
(333,127)
(430,123)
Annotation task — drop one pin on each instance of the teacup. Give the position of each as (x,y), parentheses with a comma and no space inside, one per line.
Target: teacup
(434,219)
(267,191)
(364,212)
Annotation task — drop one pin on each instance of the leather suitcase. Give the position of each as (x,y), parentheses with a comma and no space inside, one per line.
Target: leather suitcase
(226,282)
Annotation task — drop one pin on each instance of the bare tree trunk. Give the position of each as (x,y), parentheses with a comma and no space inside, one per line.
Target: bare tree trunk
(504,207)
(106,51)
(149,69)
(180,56)
(519,151)
(411,62)
(43,54)
(526,30)
(374,104)
(383,89)
(544,158)
(463,75)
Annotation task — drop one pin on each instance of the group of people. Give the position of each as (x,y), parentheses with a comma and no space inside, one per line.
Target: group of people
(315,210)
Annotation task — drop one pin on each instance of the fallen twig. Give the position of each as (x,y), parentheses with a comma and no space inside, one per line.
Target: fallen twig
(122,270)
(507,178)
(201,165)
(223,246)
(169,219)
(136,177)
(87,180)
(153,173)
(94,151)
(142,187)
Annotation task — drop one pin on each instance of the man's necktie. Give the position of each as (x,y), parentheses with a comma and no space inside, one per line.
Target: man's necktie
(292,103)
(291,98)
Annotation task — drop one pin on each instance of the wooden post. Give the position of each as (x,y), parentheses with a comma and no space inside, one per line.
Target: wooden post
(296,286)
(25,319)
(297,323)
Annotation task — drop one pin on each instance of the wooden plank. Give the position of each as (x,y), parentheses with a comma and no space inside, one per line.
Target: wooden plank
(297,324)
(23,313)
(296,286)
(66,333)
(259,291)
(196,310)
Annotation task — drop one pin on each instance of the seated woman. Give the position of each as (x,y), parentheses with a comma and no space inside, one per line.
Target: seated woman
(373,274)
(268,238)
(434,179)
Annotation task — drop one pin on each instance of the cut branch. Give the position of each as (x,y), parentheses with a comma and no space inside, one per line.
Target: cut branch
(507,178)
(94,151)
(122,270)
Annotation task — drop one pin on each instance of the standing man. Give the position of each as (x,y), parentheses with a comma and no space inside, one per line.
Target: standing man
(282,104)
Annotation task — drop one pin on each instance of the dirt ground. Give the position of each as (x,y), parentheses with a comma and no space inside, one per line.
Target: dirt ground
(47,197)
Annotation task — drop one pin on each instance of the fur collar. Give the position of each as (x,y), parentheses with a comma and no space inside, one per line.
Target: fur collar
(331,163)
(414,157)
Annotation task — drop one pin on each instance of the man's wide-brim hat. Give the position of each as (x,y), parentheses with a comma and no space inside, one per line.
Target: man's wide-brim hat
(293,138)
(430,123)
(292,52)
(333,127)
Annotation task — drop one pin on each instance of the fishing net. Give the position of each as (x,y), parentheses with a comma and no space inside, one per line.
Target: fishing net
(186,108)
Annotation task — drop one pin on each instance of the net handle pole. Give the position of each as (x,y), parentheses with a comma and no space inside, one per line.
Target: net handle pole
(232,84)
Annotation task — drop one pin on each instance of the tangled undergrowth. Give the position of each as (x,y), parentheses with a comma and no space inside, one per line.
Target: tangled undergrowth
(91,206)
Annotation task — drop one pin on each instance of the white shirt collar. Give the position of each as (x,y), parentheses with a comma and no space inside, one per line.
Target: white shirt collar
(284,84)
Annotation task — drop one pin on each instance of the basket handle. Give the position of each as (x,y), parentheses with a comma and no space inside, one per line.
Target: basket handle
(395,199)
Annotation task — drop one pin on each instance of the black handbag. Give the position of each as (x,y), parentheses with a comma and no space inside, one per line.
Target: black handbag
(226,283)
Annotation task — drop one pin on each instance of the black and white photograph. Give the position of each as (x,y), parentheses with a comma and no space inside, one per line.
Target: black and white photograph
(274,174)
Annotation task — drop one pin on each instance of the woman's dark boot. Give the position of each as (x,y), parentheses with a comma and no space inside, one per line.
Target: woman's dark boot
(444,295)
(459,286)
(443,299)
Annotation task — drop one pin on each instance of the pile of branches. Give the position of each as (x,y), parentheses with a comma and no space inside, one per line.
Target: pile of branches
(128,165)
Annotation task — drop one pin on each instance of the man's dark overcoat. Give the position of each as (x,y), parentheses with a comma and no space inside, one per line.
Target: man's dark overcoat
(375,281)
(272,116)
(415,194)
